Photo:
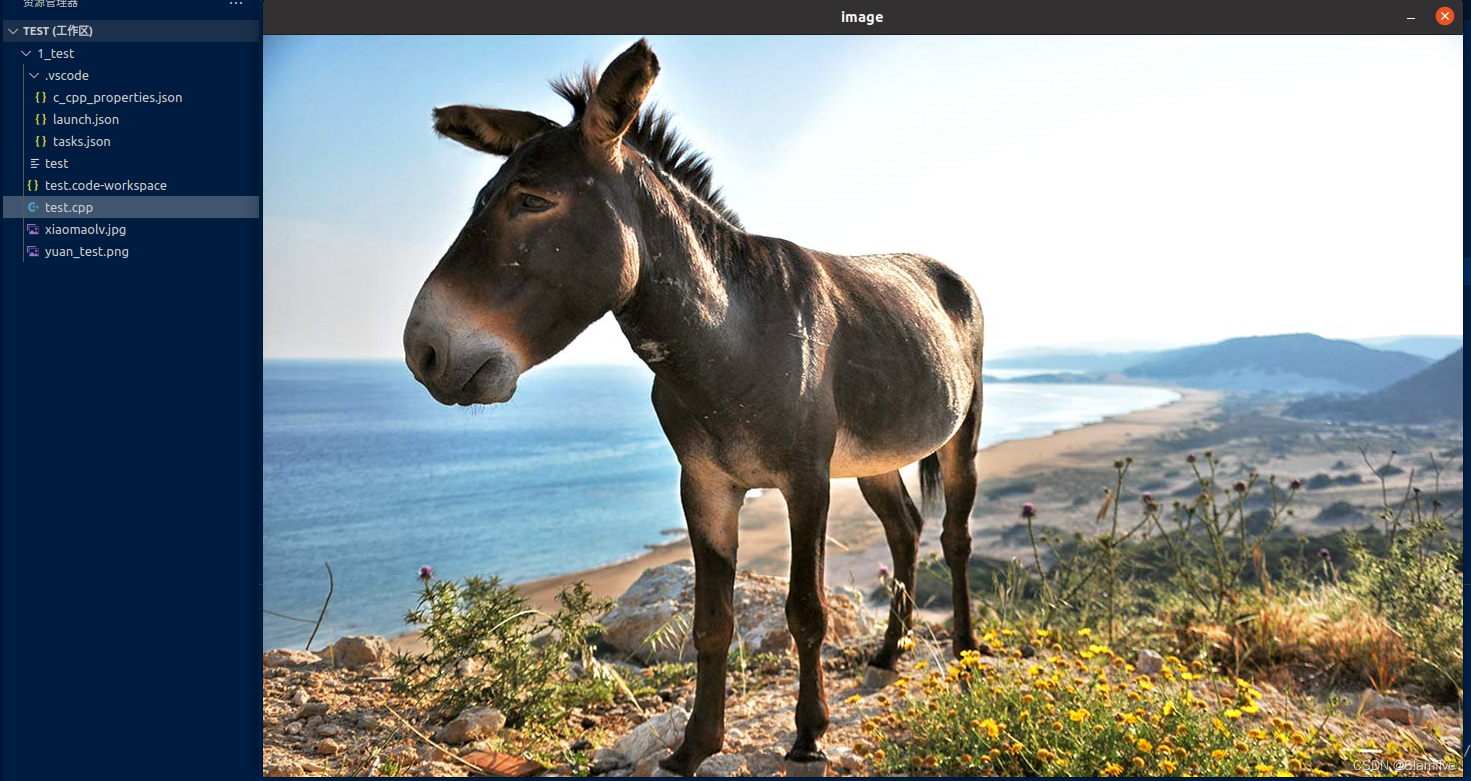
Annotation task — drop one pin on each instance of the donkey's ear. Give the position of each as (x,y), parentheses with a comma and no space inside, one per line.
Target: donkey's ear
(620,93)
(494,130)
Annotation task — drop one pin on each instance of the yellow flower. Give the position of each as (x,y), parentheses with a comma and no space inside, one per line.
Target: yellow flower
(1249,707)
(906,643)
(1045,755)
(1232,713)
(1044,633)
(853,699)
(990,727)
(1034,671)
(1169,707)
(1016,748)
(1111,770)
(1219,753)
(1081,714)
(1084,632)
(1027,699)
(1299,739)
(966,759)
(921,664)
(1138,761)
(1145,683)
(878,756)
(1144,746)
(1168,766)
(1057,726)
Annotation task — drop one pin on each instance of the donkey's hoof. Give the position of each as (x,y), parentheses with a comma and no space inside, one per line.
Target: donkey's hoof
(875,678)
(805,766)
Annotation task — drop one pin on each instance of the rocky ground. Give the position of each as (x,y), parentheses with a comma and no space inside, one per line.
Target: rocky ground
(333,712)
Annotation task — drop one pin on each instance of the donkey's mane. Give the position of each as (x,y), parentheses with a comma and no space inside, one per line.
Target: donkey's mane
(653,135)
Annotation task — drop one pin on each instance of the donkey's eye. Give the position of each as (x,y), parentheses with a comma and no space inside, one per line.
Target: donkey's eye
(534,203)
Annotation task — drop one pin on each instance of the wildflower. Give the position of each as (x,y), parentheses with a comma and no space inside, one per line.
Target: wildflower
(1218,754)
(921,664)
(1045,755)
(906,643)
(1029,510)
(1169,707)
(855,698)
(1190,458)
(1145,683)
(426,573)
(1239,486)
(1295,484)
(883,572)
(1084,632)
(1028,699)
(1232,713)
(1299,739)
(1250,707)
(1148,499)
(1081,714)
(966,759)
(1168,766)
(1057,726)
(1016,748)
(1144,746)
(1139,762)
(878,755)
(1256,734)
(990,727)
(1034,671)
(1325,554)
(1111,770)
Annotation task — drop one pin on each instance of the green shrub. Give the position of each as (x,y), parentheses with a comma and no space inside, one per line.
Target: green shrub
(488,646)
(1079,709)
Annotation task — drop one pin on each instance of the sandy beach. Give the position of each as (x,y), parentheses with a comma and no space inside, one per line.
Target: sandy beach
(856,547)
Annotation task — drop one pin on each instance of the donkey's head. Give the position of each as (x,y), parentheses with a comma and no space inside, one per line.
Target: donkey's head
(548,248)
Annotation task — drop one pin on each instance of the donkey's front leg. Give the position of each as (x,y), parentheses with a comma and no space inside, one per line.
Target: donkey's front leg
(711,507)
(807,502)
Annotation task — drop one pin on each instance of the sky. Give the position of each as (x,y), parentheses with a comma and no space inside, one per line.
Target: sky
(1099,193)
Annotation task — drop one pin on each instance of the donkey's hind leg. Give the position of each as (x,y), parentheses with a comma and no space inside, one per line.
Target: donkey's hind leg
(902,521)
(958,468)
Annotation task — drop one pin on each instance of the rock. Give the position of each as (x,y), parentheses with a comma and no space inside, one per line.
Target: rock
(1149,662)
(299,697)
(1426,715)
(648,767)
(314,722)
(606,760)
(294,728)
(282,770)
(471,724)
(844,758)
(328,747)
(723,766)
(329,730)
(356,652)
(658,735)
(285,657)
(1399,714)
(581,744)
(368,721)
(405,756)
(310,709)
(312,767)
(664,596)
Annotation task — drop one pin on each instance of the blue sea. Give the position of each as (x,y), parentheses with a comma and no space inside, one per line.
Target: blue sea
(362,470)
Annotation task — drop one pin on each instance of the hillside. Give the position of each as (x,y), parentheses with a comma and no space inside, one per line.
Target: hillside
(1432,347)
(1288,362)
(1437,393)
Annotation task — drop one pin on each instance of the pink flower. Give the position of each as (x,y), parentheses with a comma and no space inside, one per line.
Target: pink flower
(1029,510)
(426,573)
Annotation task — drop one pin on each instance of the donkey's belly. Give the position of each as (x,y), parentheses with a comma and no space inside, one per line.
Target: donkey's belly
(855,456)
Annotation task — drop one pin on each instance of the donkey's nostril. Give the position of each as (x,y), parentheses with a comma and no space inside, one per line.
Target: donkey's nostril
(427,358)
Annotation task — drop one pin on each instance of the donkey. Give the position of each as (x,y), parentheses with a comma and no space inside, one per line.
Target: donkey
(774,366)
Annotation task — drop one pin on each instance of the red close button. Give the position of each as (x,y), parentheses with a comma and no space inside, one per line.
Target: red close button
(1445,15)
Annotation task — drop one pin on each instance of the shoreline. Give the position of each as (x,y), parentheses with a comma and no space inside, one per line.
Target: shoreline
(855,536)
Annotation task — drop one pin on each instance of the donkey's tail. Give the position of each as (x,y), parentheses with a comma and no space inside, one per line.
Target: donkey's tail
(931,485)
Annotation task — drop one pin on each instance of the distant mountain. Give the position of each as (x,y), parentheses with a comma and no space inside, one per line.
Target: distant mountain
(1432,347)
(1437,393)
(1289,362)
(1073,361)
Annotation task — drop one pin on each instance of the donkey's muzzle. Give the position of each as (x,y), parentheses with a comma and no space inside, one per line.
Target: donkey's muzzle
(457,362)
